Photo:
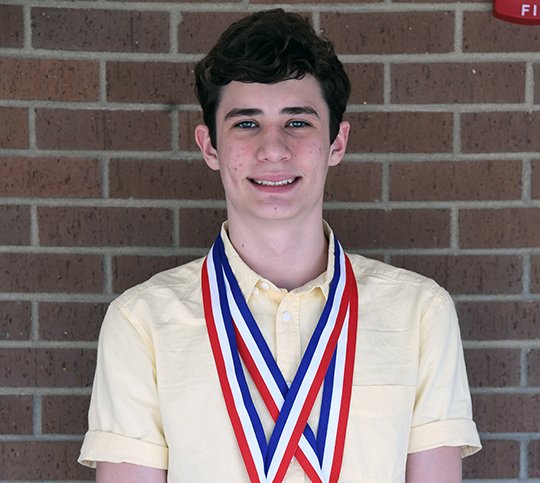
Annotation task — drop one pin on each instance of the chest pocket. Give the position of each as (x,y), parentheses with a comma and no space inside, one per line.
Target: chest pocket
(382,403)
(378,434)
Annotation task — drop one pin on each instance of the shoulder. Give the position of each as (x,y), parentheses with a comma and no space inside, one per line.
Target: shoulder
(166,309)
(176,284)
(377,271)
(396,290)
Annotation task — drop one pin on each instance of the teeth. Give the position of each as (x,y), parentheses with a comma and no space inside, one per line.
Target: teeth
(264,182)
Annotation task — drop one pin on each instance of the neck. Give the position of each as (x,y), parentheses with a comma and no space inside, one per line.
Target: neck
(287,254)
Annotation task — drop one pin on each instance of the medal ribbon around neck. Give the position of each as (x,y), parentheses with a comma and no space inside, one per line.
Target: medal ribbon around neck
(328,362)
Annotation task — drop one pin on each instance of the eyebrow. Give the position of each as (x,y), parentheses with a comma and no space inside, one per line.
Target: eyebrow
(300,110)
(248,112)
(242,112)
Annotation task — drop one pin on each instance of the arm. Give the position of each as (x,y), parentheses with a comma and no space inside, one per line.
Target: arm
(437,465)
(128,473)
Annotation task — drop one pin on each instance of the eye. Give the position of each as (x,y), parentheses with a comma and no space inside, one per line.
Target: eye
(297,123)
(246,124)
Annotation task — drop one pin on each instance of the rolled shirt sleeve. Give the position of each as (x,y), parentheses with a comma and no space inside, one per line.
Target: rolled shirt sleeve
(442,411)
(124,418)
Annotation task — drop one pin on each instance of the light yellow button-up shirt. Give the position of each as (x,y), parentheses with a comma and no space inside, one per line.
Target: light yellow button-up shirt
(157,400)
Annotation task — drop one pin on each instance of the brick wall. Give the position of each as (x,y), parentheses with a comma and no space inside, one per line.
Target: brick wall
(101,185)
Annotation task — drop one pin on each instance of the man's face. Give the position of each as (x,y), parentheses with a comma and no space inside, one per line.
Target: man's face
(273,149)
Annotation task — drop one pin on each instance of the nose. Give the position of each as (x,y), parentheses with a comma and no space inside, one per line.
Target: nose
(273,145)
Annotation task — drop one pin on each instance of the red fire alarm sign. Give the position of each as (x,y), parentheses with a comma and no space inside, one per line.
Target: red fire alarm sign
(518,11)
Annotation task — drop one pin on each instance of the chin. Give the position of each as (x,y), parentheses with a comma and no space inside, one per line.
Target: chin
(278,215)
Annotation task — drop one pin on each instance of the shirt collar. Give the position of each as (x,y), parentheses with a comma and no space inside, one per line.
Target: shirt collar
(248,279)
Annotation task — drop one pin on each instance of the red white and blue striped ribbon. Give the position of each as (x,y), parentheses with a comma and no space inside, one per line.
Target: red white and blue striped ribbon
(328,361)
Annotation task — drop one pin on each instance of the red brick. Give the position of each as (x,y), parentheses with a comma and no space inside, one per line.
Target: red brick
(272,2)
(16,415)
(199,227)
(15,223)
(187,122)
(500,131)
(15,321)
(13,127)
(507,413)
(498,459)
(493,367)
(70,321)
(23,272)
(535,180)
(533,361)
(400,132)
(482,32)
(535,274)
(199,31)
(496,320)
(47,367)
(390,32)
(455,180)
(536,83)
(508,227)
(534,458)
(42,460)
(48,79)
(156,82)
(105,226)
(468,274)
(65,414)
(132,270)
(440,1)
(477,82)
(369,229)
(366,83)
(191,1)
(11,26)
(100,30)
(351,181)
(50,177)
(158,179)
(103,130)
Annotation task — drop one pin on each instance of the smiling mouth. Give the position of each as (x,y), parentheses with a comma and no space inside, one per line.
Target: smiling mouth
(265,182)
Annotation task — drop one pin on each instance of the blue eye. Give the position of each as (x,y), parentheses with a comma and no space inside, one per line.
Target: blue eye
(298,124)
(246,124)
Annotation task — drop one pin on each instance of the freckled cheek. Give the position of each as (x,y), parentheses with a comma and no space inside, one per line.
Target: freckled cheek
(314,150)
(233,161)
(238,164)
(233,170)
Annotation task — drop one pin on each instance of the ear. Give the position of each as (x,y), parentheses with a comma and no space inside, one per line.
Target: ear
(202,138)
(338,147)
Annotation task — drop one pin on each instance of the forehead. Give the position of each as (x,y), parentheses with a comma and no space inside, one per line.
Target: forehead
(272,98)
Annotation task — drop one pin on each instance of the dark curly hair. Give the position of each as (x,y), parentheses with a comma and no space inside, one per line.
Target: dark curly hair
(267,47)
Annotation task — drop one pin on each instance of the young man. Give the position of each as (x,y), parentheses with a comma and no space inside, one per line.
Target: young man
(279,357)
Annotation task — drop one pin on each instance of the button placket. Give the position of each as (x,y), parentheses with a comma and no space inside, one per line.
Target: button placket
(288,335)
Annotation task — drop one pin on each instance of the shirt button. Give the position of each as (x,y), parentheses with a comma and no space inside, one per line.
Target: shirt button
(255,290)
(286,316)
(265,286)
